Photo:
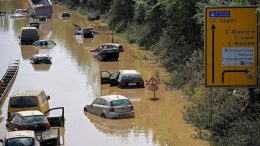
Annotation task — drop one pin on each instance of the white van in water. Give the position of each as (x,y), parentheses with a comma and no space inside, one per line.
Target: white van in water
(28,35)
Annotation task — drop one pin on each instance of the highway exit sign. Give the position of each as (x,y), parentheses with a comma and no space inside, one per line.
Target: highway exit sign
(231,46)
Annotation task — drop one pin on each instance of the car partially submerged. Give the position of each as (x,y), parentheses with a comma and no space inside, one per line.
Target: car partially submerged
(111,54)
(65,14)
(2,13)
(108,46)
(46,43)
(19,13)
(22,100)
(122,79)
(35,120)
(49,137)
(111,106)
(79,34)
(88,32)
(41,59)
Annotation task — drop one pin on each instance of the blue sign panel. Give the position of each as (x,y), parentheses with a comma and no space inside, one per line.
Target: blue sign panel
(219,13)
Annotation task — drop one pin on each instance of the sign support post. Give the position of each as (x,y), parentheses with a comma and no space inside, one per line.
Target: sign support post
(153,86)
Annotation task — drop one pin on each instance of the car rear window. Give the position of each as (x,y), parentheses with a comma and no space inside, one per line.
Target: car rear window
(121,102)
(23,101)
(132,77)
(34,119)
(21,141)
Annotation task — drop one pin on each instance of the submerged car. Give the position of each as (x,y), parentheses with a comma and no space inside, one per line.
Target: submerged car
(108,46)
(65,14)
(28,35)
(88,32)
(2,13)
(19,13)
(34,120)
(78,34)
(23,100)
(47,43)
(111,106)
(111,54)
(123,79)
(41,59)
(49,137)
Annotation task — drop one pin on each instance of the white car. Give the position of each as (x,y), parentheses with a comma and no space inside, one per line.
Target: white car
(41,59)
(111,106)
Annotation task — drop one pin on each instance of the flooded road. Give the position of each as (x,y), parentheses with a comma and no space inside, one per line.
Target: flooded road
(72,81)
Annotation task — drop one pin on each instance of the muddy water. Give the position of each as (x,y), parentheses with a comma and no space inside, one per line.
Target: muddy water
(73,81)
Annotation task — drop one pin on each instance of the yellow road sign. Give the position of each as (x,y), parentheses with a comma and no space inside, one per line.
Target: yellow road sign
(231,47)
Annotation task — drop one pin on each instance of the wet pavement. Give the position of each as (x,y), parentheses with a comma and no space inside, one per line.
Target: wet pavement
(73,81)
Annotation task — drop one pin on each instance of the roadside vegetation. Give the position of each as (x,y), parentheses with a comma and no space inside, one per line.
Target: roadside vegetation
(173,31)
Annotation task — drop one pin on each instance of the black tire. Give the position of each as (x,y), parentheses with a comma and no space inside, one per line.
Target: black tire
(103,115)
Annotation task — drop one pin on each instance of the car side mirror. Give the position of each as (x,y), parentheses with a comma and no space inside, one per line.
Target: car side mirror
(1,140)
(48,97)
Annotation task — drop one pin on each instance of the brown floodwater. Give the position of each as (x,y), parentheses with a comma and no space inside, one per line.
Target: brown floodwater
(73,81)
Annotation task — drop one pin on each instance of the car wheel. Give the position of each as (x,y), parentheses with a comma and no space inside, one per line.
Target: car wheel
(103,115)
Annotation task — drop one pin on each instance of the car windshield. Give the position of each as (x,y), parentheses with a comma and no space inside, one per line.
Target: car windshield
(21,141)
(23,101)
(121,102)
(34,119)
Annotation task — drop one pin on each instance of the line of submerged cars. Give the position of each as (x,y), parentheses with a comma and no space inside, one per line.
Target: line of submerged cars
(30,36)
(29,121)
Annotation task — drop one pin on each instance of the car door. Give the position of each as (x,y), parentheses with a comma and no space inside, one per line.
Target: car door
(50,137)
(43,102)
(104,77)
(14,123)
(57,121)
(95,106)
(113,79)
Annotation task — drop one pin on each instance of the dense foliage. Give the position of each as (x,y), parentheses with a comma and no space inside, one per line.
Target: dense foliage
(173,30)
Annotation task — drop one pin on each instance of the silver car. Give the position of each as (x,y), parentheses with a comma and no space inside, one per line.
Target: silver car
(111,106)
(49,137)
